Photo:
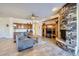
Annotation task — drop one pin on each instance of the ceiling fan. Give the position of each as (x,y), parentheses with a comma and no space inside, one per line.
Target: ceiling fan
(33,17)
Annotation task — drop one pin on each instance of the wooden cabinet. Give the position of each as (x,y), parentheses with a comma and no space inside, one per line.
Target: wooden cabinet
(22,26)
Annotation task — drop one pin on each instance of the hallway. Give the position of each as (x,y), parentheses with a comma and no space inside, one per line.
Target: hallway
(44,47)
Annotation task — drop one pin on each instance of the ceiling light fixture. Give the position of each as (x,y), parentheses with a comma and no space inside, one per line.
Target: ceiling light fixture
(55,9)
(33,17)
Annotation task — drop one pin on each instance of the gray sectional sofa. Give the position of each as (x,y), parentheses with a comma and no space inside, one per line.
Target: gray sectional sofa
(23,42)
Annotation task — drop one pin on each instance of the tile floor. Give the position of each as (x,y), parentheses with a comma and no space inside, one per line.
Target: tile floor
(44,47)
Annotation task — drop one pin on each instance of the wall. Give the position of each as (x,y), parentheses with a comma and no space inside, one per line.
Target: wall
(37,28)
(40,29)
(4,30)
(7,32)
(15,20)
(77,48)
(37,25)
(78,28)
(69,23)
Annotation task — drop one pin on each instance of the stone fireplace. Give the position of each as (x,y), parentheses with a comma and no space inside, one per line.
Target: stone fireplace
(63,27)
(68,21)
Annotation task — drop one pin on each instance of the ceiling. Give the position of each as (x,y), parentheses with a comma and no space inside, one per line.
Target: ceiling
(23,10)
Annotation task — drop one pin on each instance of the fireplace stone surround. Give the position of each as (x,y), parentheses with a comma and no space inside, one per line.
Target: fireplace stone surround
(68,21)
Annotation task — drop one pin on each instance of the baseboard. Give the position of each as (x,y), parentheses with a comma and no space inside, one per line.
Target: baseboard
(5,38)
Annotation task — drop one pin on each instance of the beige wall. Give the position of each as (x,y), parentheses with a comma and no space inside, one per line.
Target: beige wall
(7,32)
(37,28)
(4,30)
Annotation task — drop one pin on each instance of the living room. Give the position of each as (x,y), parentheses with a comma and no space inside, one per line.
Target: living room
(47,25)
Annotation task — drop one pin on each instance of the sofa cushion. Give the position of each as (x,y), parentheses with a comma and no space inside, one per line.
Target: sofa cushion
(25,33)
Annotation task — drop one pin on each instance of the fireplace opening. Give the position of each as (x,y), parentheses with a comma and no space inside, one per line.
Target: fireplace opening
(63,35)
